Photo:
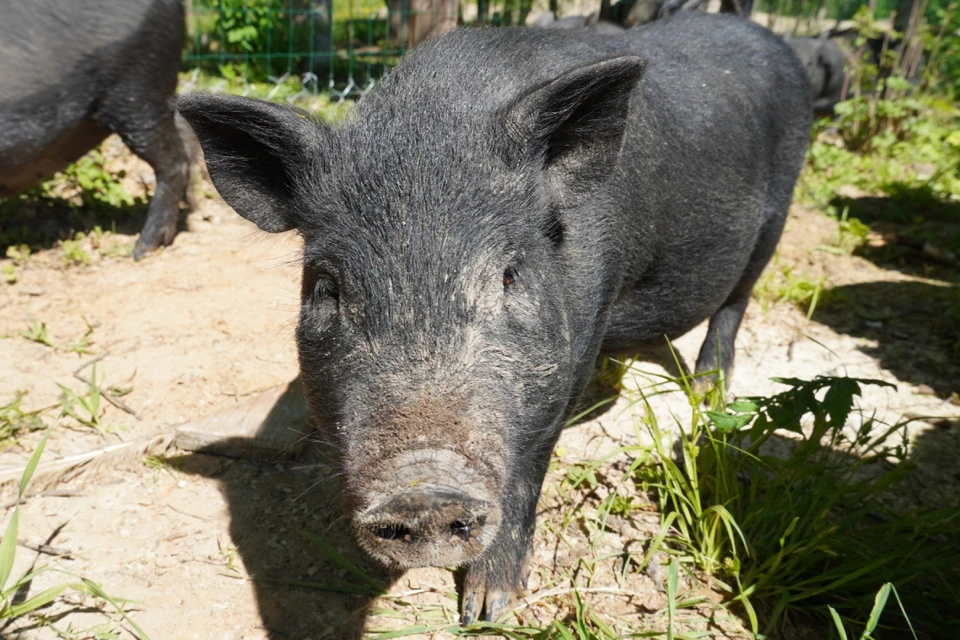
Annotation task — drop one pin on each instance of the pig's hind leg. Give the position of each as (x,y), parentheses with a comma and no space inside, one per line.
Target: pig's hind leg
(148,128)
(717,352)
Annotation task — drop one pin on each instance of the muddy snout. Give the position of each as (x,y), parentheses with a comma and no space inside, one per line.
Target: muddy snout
(438,513)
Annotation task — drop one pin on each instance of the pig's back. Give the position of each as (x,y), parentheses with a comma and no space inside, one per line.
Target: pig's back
(719,127)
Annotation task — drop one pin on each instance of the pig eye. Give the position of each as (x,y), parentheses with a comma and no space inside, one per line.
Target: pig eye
(324,288)
(509,277)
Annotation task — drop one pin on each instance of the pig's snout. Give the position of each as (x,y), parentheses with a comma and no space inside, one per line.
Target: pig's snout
(429,526)
(429,523)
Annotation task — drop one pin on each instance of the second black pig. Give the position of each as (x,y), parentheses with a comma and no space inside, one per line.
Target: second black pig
(74,71)
(824,63)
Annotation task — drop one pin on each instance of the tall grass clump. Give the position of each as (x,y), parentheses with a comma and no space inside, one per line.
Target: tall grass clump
(791,511)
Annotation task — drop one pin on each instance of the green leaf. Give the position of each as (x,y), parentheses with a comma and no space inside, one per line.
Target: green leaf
(879,602)
(743,406)
(838,623)
(673,578)
(37,601)
(32,463)
(727,423)
(564,632)
(839,400)
(8,547)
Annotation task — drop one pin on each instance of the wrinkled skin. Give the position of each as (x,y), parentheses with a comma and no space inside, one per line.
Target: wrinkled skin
(74,71)
(479,232)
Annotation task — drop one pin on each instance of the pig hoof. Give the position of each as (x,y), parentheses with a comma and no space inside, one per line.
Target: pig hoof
(147,242)
(483,602)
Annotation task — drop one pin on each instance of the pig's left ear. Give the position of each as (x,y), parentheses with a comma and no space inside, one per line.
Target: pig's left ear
(257,154)
(575,123)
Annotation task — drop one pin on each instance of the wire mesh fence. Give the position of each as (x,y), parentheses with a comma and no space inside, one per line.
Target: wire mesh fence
(292,48)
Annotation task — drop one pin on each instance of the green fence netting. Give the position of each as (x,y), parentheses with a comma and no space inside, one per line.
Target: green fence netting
(287,48)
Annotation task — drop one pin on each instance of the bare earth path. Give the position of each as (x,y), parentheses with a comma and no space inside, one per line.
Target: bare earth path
(207,324)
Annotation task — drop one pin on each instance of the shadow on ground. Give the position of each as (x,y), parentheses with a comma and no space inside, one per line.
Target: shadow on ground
(41,222)
(602,392)
(908,535)
(301,590)
(921,228)
(915,327)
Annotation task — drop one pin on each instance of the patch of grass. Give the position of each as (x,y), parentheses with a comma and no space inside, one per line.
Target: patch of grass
(86,409)
(852,234)
(86,193)
(289,90)
(791,534)
(17,254)
(82,345)
(784,283)
(15,421)
(879,603)
(73,251)
(159,464)
(37,332)
(13,601)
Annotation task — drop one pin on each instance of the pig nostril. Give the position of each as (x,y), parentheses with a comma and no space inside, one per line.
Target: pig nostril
(461,528)
(390,531)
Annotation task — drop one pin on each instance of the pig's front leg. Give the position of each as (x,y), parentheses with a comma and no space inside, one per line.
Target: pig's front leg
(496,579)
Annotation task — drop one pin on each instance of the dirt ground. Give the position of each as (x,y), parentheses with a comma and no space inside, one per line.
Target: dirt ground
(206,325)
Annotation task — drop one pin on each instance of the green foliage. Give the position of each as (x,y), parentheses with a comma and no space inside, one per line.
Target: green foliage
(14,421)
(73,251)
(251,39)
(17,254)
(909,178)
(795,532)
(851,235)
(874,620)
(11,591)
(37,332)
(98,187)
(82,345)
(942,72)
(785,283)
(86,409)
(86,190)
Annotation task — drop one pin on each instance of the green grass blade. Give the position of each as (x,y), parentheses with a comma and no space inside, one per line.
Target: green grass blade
(37,601)
(838,623)
(903,610)
(336,557)
(673,577)
(94,589)
(563,631)
(32,463)
(8,547)
(878,605)
(409,631)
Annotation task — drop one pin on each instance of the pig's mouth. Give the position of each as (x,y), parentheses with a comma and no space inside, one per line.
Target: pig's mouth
(428,526)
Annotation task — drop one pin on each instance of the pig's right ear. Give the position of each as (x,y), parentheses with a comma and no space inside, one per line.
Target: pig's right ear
(575,123)
(256,153)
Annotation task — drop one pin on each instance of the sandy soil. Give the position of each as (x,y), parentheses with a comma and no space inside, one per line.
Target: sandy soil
(206,324)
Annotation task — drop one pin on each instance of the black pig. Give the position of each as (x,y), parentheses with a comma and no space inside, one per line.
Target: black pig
(824,63)
(506,205)
(72,72)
